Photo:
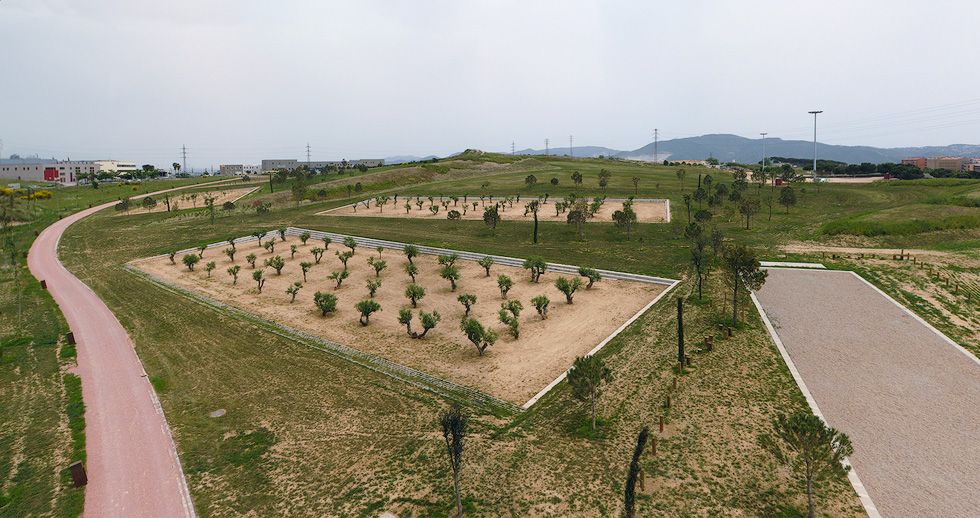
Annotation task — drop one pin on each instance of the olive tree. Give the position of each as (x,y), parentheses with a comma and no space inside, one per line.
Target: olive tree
(476,333)
(428,320)
(377,265)
(568,287)
(586,377)
(451,274)
(415,293)
(257,277)
(270,245)
(536,265)
(277,262)
(411,251)
(412,270)
(233,271)
(339,277)
(486,263)
(293,290)
(344,257)
(505,284)
(190,260)
(210,267)
(372,286)
(304,237)
(366,308)
(305,266)
(317,253)
(325,302)
(250,259)
(591,274)
(509,311)
(468,301)
(326,243)
(540,304)
(349,242)
(230,252)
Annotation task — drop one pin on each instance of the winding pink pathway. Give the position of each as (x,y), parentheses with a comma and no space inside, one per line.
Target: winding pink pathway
(133,468)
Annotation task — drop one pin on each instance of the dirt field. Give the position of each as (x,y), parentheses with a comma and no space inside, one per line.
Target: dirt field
(906,397)
(512,369)
(185,201)
(646,212)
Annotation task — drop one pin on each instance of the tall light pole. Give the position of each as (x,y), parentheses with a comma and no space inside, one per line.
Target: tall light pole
(763,155)
(815,143)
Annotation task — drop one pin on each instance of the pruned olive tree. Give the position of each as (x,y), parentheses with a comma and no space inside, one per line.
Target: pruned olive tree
(591,274)
(540,304)
(428,321)
(505,284)
(468,301)
(509,311)
(233,271)
(366,308)
(476,333)
(259,280)
(293,290)
(411,251)
(451,274)
(190,260)
(415,293)
(325,302)
(568,286)
(536,265)
(339,277)
(486,262)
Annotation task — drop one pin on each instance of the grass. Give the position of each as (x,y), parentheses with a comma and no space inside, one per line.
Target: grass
(295,414)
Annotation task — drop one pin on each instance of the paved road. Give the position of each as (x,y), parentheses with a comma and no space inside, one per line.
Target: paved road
(905,395)
(133,468)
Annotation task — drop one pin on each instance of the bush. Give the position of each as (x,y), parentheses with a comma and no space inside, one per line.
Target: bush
(228,205)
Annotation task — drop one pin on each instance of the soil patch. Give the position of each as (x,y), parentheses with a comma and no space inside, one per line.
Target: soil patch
(512,369)
(193,200)
(646,211)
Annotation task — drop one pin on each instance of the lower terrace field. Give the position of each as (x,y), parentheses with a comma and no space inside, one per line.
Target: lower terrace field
(647,211)
(513,369)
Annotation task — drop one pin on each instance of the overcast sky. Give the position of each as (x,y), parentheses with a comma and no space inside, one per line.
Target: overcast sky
(238,81)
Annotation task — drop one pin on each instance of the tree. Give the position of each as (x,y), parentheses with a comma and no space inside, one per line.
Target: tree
(451,274)
(250,259)
(586,377)
(317,253)
(687,204)
(568,287)
(536,265)
(805,444)
(172,254)
(415,293)
(491,218)
(454,216)
(276,262)
(454,431)
(749,207)
(680,176)
(230,252)
(449,259)
(741,269)
(505,284)
(149,203)
(787,197)
(190,260)
(349,242)
(372,286)
(768,200)
(233,271)
(509,311)
(209,203)
(326,243)
(257,277)
(634,470)
(533,207)
(412,270)
(591,274)
(625,219)
(365,308)
(377,265)
(486,262)
(476,333)
(304,237)
(270,246)
(326,302)
(577,179)
(293,290)
(410,252)
(540,304)
(699,260)
(339,277)
(428,320)
(468,301)
(258,235)
(305,266)
(344,257)
(210,267)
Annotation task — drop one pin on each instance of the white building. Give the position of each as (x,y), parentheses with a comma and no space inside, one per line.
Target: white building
(66,173)
(239,170)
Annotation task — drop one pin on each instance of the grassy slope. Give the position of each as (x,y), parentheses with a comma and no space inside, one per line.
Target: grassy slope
(295,414)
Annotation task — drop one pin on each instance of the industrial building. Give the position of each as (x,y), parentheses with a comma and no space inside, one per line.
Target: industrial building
(239,170)
(63,172)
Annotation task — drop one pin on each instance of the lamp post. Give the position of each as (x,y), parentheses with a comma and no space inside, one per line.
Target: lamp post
(763,155)
(815,143)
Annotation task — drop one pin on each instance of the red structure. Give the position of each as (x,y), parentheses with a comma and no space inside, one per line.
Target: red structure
(50,174)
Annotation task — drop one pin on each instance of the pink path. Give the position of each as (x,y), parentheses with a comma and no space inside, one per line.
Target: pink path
(133,468)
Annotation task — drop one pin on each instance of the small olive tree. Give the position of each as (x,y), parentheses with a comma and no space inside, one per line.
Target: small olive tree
(591,274)
(339,277)
(451,274)
(233,271)
(428,321)
(293,290)
(486,263)
(540,304)
(568,287)
(415,293)
(505,284)
(476,333)
(366,308)
(257,277)
(250,259)
(468,301)
(325,302)
(536,265)
(190,260)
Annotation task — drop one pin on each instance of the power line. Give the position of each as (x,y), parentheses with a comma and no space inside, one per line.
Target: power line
(183,151)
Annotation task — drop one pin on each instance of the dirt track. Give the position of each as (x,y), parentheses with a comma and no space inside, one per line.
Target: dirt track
(905,396)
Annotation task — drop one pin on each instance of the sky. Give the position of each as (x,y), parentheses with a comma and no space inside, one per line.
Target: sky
(239,81)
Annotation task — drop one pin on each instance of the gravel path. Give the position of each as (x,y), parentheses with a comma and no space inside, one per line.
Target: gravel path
(132,467)
(907,397)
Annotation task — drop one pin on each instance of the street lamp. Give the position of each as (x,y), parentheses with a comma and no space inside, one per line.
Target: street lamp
(815,143)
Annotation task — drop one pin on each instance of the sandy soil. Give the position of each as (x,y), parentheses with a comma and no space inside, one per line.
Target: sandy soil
(513,369)
(646,212)
(906,397)
(184,201)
